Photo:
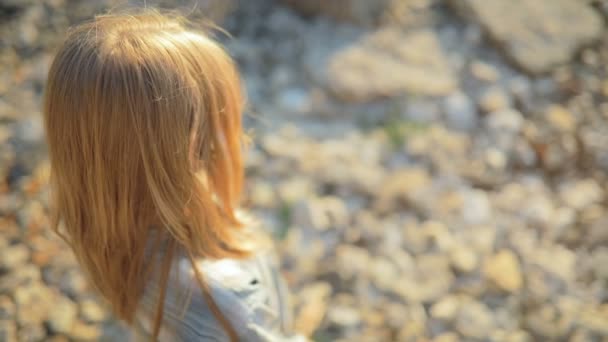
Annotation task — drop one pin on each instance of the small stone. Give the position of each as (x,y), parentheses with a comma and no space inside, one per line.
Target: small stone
(446,308)
(352,260)
(504,271)
(31,333)
(402,185)
(474,320)
(91,311)
(447,337)
(460,112)
(8,331)
(320,213)
(263,195)
(581,194)
(343,315)
(477,207)
(19,277)
(494,99)
(429,280)
(312,310)
(496,158)
(383,273)
(599,263)
(295,189)
(63,315)
(484,71)
(550,323)
(507,121)
(14,256)
(34,302)
(560,118)
(463,259)
(84,332)
(7,308)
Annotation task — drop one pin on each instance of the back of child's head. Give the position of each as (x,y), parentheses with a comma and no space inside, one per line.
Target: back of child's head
(143,117)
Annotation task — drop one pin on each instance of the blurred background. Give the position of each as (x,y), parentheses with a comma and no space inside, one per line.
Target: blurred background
(431,170)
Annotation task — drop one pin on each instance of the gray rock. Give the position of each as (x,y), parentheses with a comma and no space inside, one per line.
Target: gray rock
(357,11)
(460,112)
(389,62)
(532,33)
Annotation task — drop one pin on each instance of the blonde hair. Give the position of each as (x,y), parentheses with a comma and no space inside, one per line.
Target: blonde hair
(143,121)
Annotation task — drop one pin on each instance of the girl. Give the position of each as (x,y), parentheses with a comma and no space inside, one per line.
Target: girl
(143,118)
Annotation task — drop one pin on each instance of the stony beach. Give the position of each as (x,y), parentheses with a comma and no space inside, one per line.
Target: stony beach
(431,170)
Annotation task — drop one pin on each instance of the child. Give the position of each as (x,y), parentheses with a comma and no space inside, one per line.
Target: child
(143,117)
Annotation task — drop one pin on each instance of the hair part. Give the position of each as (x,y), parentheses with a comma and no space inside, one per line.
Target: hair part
(143,121)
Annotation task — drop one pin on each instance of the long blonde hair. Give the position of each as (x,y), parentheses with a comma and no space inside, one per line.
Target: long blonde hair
(143,121)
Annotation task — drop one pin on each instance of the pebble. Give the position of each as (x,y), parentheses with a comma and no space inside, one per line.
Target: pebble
(463,258)
(446,308)
(560,118)
(14,256)
(484,71)
(312,310)
(447,337)
(343,316)
(63,315)
(91,311)
(504,270)
(7,308)
(507,120)
(460,113)
(477,207)
(474,320)
(34,303)
(85,332)
(8,331)
(494,99)
(402,240)
(31,333)
(581,194)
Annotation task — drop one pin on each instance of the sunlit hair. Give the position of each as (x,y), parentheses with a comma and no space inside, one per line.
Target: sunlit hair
(143,118)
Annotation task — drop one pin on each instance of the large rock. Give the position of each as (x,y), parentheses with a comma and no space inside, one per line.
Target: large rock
(536,35)
(389,62)
(357,11)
